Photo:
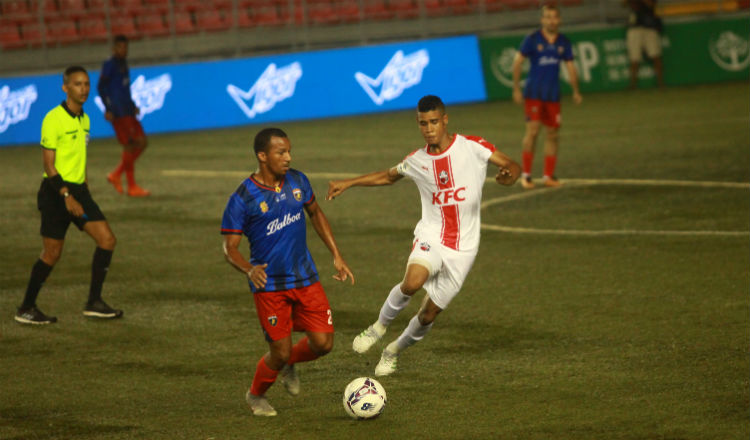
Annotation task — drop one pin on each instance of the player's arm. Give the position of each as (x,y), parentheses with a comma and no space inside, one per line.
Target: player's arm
(256,274)
(378,178)
(103,88)
(508,170)
(573,76)
(323,228)
(517,64)
(71,204)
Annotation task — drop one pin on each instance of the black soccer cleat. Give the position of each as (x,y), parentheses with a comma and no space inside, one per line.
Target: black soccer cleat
(100,309)
(34,316)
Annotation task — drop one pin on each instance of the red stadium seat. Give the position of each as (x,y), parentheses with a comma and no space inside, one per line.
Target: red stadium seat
(31,34)
(62,31)
(73,8)
(404,8)
(160,6)
(267,16)
(347,11)
(245,18)
(376,10)
(152,25)
(521,4)
(321,13)
(123,25)
(16,11)
(459,7)
(494,5)
(93,28)
(212,20)
(183,22)
(10,37)
(435,8)
(129,7)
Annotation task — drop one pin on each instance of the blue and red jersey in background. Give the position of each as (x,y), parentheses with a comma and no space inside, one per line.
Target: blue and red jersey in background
(114,87)
(543,82)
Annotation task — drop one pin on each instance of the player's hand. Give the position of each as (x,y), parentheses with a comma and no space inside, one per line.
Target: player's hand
(335,188)
(257,276)
(517,96)
(504,176)
(343,270)
(74,208)
(109,116)
(577,98)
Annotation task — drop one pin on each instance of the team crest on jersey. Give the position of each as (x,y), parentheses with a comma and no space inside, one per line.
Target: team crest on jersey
(297,194)
(560,50)
(273,320)
(424,246)
(277,189)
(263,207)
(539,47)
(443,176)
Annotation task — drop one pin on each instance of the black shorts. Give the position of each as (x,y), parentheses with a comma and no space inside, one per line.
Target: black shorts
(56,218)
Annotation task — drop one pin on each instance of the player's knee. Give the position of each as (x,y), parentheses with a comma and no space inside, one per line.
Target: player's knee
(279,357)
(427,317)
(141,143)
(553,134)
(410,286)
(51,255)
(108,241)
(322,348)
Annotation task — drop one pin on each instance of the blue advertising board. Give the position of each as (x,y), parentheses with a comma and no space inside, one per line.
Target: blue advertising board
(264,89)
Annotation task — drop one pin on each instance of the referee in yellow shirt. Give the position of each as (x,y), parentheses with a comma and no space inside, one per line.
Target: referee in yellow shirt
(64,198)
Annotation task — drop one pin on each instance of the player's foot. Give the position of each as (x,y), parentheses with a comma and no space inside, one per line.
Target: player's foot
(366,339)
(137,191)
(289,379)
(551,182)
(259,405)
(387,364)
(34,316)
(114,179)
(527,183)
(100,309)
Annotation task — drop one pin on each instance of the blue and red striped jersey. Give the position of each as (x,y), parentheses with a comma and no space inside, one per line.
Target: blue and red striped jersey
(543,82)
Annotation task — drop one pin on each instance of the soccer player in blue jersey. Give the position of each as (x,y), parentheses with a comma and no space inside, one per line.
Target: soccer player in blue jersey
(268,209)
(545,49)
(121,111)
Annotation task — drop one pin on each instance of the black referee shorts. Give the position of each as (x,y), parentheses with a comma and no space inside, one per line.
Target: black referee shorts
(56,218)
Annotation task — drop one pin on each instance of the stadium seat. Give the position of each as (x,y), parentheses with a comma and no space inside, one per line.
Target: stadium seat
(31,33)
(212,20)
(435,8)
(404,8)
(93,28)
(62,31)
(376,10)
(10,37)
(521,4)
(183,22)
(73,8)
(347,11)
(458,7)
(129,7)
(158,6)
(152,25)
(494,5)
(123,25)
(16,11)
(321,13)
(268,16)
(48,9)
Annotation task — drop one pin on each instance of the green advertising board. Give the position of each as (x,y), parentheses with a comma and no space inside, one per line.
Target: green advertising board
(693,52)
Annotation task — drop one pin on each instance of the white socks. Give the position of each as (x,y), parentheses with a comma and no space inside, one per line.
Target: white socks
(413,333)
(395,302)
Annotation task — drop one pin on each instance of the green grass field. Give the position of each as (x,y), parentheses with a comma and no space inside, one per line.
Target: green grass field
(613,308)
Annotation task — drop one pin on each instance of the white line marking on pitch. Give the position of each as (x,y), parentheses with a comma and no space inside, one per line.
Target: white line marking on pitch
(568,183)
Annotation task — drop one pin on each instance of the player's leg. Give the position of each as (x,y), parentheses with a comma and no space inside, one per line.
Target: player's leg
(28,312)
(652,44)
(532,108)
(123,138)
(105,240)
(634,47)
(417,273)
(137,144)
(551,143)
(266,372)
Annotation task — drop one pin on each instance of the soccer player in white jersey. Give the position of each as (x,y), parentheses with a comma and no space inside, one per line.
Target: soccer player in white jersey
(449,172)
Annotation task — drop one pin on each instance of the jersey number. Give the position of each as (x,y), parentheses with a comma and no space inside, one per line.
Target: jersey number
(330,317)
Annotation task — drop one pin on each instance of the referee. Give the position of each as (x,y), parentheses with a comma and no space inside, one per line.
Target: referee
(64,198)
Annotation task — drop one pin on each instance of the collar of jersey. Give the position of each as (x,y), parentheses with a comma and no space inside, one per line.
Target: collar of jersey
(70,112)
(267,188)
(427,147)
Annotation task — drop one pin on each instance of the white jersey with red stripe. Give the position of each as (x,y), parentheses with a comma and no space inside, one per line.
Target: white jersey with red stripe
(450,185)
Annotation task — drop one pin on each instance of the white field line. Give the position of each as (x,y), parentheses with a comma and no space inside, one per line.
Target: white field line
(533,193)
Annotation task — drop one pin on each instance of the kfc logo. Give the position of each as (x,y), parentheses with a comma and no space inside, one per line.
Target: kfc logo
(445,196)
(443,176)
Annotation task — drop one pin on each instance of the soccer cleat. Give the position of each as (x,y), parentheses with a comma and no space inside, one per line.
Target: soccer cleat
(259,405)
(551,182)
(527,183)
(289,379)
(100,309)
(114,179)
(366,339)
(387,364)
(137,191)
(33,316)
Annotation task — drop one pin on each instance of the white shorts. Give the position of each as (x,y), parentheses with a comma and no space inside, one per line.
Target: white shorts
(639,39)
(448,269)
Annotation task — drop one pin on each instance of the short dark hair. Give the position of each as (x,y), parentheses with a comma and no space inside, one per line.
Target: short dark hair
(71,70)
(120,38)
(550,7)
(429,103)
(263,138)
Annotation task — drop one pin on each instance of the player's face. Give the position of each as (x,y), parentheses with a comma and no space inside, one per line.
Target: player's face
(120,49)
(77,87)
(550,20)
(279,155)
(433,125)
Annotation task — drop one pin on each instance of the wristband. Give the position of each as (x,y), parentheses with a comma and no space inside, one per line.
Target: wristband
(57,182)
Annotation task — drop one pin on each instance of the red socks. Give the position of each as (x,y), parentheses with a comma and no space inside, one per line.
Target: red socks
(549,166)
(527,158)
(127,164)
(301,352)
(264,378)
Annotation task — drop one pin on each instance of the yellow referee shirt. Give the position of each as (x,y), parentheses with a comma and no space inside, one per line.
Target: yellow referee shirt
(67,134)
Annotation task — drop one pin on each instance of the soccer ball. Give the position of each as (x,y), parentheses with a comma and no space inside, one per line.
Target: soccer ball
(364,398)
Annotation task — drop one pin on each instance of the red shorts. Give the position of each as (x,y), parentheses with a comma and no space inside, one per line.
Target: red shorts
(128,129)
(303,309)
(547,112)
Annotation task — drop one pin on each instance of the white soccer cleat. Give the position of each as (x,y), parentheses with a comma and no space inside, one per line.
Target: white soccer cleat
(259,405)
(366,339)
(387,364)
(289,379)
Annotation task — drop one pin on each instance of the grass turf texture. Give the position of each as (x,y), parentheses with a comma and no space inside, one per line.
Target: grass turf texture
(553,336)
